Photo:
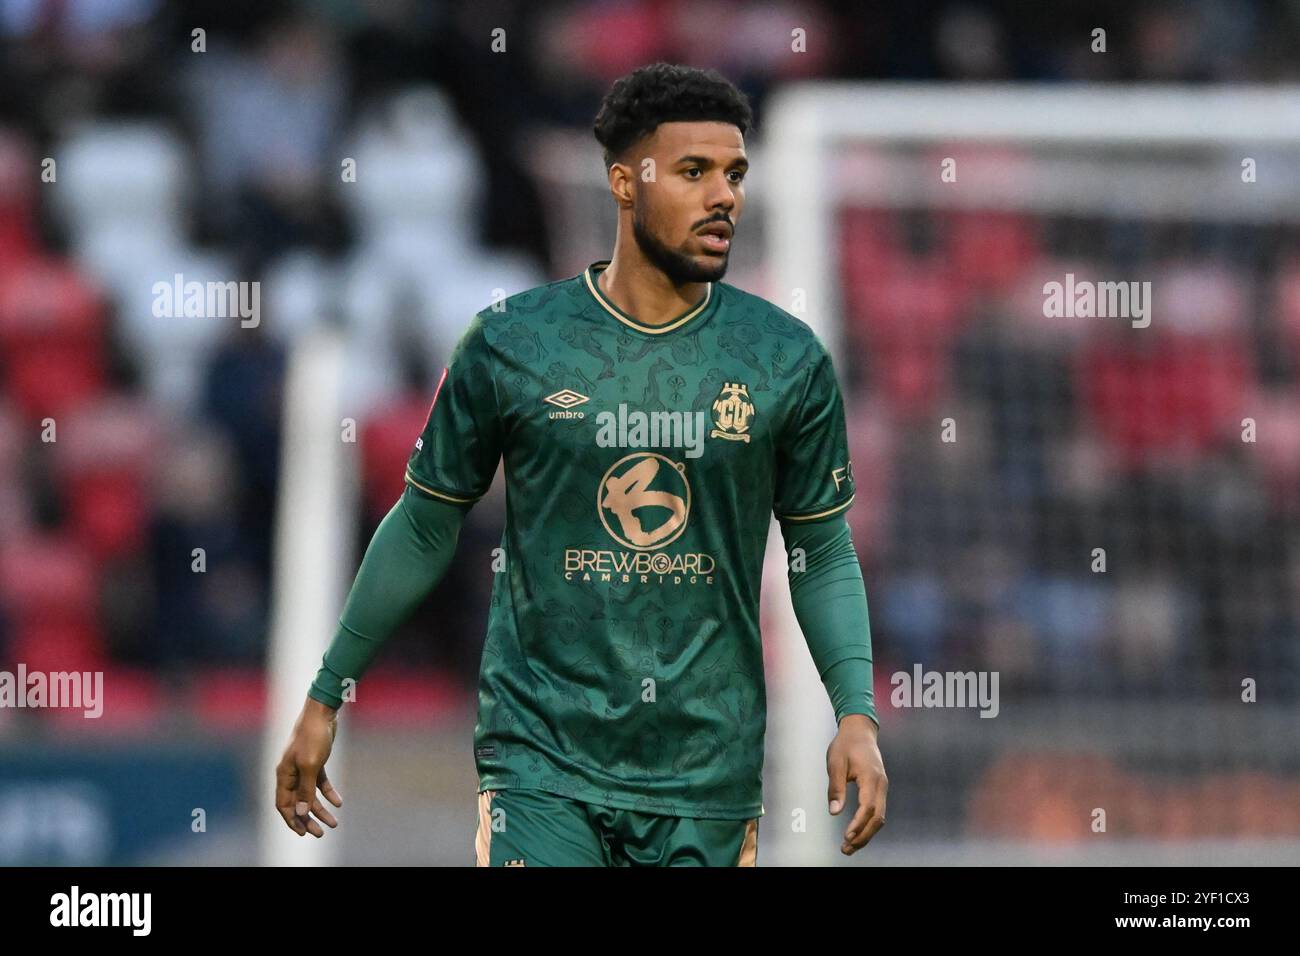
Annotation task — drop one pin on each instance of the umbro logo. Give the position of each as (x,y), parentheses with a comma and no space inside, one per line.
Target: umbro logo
(566,399)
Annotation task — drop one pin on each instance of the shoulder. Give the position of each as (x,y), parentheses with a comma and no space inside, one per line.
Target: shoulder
(771,318)
(530,306)
(515,319)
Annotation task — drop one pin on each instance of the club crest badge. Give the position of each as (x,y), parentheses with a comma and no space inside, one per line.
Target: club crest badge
(732,413)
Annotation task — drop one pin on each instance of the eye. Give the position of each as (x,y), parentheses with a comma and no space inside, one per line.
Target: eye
(737,175)
(692,169)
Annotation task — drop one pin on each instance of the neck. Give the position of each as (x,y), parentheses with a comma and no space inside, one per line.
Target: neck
(641,289)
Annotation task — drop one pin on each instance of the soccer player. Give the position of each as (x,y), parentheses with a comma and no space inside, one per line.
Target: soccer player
(651,419)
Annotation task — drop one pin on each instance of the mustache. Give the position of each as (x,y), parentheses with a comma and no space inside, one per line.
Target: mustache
(722,218)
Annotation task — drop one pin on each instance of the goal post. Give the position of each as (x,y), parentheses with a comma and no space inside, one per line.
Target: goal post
(316,510)
(1153,152)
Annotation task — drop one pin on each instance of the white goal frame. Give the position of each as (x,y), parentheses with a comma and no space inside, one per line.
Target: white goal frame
(806,126)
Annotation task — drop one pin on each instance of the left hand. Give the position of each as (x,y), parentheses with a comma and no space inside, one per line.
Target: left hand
(854,755)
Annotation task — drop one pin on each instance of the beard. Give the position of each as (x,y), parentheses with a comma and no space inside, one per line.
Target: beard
(679,267)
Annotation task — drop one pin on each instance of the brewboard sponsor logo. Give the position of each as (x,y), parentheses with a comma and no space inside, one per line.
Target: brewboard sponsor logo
(643,502)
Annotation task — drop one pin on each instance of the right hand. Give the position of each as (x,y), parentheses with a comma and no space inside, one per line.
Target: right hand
(302,770)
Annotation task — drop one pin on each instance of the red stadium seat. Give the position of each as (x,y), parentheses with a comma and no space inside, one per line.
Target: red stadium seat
(51,338)
(132,700)
(989,251)
(59,642)
(387,440)
(1173,398)
(18,236)
(105,453)
(1288,306)
(609,40)
(109,512)
(1277,415)
(905,325)
(51,379)
(229,698)
(410,698)
(46,572)
(48,299)
(49,588)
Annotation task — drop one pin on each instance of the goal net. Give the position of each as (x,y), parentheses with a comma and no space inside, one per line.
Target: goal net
(1070,321)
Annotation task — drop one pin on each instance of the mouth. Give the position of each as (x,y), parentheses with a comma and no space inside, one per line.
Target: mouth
(716,236)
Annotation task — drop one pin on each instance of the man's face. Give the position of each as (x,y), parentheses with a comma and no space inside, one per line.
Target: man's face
(684,218)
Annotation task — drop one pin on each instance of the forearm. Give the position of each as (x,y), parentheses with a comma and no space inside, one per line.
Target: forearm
(830,603)
(848,684)
(409,553)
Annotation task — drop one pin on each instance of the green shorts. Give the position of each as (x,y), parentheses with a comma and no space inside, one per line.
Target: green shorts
(537,828)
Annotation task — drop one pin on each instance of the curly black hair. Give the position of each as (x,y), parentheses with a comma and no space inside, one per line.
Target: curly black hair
(664,93)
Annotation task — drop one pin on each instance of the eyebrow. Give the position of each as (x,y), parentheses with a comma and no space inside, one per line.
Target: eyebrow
(706,161)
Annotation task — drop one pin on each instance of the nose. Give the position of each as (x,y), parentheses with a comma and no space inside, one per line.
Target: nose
(722,197)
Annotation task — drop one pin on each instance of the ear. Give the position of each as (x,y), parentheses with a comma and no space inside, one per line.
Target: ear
(622,184)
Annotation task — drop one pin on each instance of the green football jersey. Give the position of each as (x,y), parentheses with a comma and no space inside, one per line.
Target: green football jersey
(623,663)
